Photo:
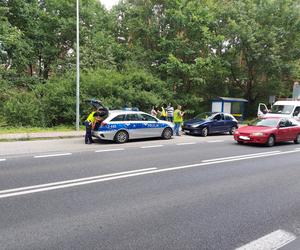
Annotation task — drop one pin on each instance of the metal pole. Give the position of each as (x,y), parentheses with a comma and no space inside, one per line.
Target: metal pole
(77,65)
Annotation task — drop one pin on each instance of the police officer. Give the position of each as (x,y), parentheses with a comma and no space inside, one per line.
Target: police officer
(163,113)
(88,127)
(178,119)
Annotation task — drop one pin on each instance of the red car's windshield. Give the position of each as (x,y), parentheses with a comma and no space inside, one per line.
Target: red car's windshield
(265,122)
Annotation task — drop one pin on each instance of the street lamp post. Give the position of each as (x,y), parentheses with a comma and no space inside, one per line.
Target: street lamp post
(77,65)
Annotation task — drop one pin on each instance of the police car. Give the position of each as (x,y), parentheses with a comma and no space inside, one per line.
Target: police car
(122,125)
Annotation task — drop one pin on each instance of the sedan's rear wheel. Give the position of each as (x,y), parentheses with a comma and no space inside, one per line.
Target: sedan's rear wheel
(204,131)
(121,137)
(297,139)
(271,141)
(167,133)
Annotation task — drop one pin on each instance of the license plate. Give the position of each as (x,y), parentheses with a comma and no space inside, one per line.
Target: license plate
(246,138)
(186,131)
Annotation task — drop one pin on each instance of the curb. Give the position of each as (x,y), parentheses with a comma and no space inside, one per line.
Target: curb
(45,135)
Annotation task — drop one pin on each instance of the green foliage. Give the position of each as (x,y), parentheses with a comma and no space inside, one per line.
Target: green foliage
(23,109)
(143,53)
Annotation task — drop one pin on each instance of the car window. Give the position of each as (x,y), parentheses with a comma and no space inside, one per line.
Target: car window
(228,118)
(282,109)
(218,117)
(132,117)
(118,118)
(289,123)
(296,111)
(294,122)
(148,118)
(265,122)
(285,123)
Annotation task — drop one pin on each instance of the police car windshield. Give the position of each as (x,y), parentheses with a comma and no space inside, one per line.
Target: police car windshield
(265,122)
(282,109)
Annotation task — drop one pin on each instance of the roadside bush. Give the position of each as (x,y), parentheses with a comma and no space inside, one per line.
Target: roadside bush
(23,109)
(53,103)
(58,101)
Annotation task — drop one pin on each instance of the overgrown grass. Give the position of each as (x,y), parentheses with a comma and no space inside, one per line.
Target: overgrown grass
(14,130)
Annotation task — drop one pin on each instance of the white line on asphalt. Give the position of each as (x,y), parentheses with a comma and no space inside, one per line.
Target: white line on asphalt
(153,146)
(54,155)
(185,143)
(215,141)
(241,156)
(10,193)
(272,241)
(73,181)
(109,150)
(2,159)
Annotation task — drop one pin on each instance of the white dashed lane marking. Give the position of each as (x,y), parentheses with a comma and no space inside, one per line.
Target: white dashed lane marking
(2,159)
(185,143)
(153,146)
(53,155)
(109,150)
(215,141)
(272,241)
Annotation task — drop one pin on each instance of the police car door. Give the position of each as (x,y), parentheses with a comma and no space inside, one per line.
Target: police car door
(152,126)
(135,126)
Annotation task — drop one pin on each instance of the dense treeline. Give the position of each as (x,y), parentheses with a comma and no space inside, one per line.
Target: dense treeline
(143,53)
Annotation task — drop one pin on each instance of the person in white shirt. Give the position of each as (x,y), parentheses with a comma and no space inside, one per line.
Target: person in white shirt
(170,113)
(153,111)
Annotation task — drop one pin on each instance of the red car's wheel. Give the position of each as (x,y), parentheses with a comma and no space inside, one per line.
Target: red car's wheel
(297,139)
(271,141)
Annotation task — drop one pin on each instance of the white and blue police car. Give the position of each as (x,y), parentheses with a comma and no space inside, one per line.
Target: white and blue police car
(123,125)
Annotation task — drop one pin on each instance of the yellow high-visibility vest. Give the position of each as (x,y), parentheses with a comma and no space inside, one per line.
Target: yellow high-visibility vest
(177,116)
(163,112)
(91,117)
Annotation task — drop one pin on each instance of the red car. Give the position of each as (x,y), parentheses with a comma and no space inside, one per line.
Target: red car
(268,131)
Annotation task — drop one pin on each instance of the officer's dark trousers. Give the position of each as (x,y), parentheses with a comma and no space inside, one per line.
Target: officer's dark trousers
(88,132)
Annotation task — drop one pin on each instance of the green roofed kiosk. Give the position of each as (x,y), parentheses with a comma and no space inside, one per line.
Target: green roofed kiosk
(234,106)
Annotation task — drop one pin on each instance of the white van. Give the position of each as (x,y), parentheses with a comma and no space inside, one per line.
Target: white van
(280,109)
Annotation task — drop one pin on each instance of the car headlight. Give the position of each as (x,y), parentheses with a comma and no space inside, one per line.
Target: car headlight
(257,134)
(195,125)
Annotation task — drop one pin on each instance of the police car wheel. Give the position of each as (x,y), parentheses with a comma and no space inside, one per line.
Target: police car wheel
(167,133)
(121,137)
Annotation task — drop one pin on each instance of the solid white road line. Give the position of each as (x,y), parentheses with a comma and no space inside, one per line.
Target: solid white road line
(49,186)
(31,191)
(53,155)
(270,241)
(153,146)
(109,150)
(215,141)
(74,180)
(2,159)
(240,156)
(185,143)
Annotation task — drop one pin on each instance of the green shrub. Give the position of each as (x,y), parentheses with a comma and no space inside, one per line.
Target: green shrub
(23,109)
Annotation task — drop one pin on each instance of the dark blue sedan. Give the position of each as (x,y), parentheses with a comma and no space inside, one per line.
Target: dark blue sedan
(210,123)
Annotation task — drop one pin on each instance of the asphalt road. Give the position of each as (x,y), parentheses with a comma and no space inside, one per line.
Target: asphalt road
(186,193)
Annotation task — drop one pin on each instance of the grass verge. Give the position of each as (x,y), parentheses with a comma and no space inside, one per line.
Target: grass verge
(15,130)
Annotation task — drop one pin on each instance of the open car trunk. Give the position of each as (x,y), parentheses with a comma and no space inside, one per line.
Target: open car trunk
(104,111)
